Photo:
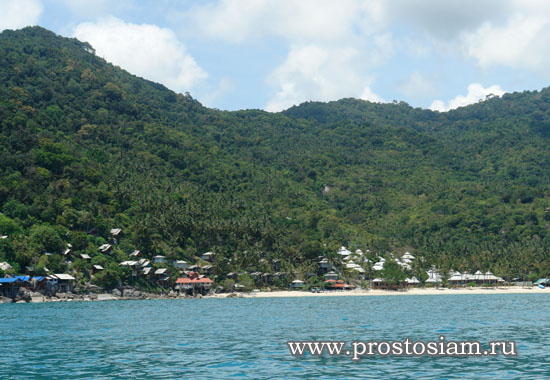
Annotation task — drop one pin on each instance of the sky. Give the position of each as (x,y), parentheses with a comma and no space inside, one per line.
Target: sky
(273,54)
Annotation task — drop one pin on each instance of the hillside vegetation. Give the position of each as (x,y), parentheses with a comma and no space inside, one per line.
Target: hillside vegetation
(86,146)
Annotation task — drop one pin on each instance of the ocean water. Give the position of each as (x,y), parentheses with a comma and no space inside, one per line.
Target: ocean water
(246,338)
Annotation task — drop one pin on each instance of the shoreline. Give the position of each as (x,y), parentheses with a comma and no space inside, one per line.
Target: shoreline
(302,293)
(409,292)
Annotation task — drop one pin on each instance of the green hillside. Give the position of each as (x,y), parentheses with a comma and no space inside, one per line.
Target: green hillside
(86,146)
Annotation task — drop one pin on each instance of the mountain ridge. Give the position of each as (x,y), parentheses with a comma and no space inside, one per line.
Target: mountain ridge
(85,145)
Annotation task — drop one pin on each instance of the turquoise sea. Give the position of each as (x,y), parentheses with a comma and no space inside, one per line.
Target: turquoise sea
(246,338)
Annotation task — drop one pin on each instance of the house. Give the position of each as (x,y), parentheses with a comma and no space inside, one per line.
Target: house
(331,276)
(5,266)
(9,287)
(232,275)
(84,256)
(267,278)
(38,283)
(64,282)
(135,254)
(354,267)
(208,256)
(158,259)
(297,284)
(433,277)
(147,271)
(116,234)
(194,284)
(207,269)
(144,263)
(276,264)
(180,264)
(344,252)
(96,268)
(68,252)
(105,248)
(133,265)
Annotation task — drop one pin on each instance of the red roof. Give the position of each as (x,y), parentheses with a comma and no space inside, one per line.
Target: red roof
(338,286)
(330,280)
(204,280)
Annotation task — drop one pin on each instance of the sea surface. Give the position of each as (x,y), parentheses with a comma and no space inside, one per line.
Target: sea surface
(246,338)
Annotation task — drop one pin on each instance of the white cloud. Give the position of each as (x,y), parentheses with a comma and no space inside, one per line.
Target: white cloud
(314,72)
(476,92)
(20,13)
(145,50)
(303,21)
(416,85)
(521,43)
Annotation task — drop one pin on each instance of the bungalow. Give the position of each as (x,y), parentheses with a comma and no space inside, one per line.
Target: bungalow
(105,248)
(267,278)
(144,263)
(9,287)
(232,275)
(85,256)
(297,284)
(433,277)
(331,276)
(208,256)
(255,275)
(207,269)
(116,234)
(159,259)
(276,265)
(133,265)
(64,282)
(412,281)
(194,284)
(5,266)
(344,252)
(180,264)
(135,254)
(96,268)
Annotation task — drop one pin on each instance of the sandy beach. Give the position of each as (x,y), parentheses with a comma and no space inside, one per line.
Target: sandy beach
(419,291)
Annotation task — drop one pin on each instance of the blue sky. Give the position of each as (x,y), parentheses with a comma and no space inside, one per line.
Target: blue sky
(272,54)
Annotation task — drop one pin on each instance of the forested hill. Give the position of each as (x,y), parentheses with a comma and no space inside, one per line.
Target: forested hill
(86,146)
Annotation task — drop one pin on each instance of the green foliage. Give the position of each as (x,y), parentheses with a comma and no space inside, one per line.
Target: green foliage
(86,147)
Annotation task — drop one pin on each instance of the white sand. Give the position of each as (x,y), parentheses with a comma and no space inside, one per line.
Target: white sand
(414,291)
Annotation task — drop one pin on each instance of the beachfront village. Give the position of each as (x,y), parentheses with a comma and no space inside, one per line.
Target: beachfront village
(135,274)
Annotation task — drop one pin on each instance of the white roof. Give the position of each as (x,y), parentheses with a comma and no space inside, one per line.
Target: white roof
(344,251)
(5,266)
(433,276)
(64,276)
(115,231)
(412,280)
(297,282)
(161,271)
(129,263)
(359,252)
(407,255)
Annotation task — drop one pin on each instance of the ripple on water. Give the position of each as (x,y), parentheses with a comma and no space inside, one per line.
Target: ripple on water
(246,338)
